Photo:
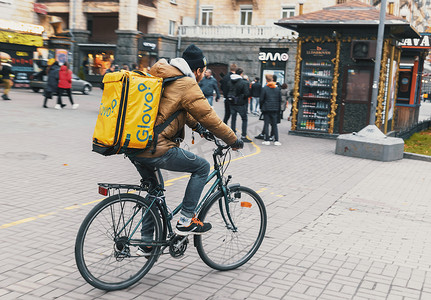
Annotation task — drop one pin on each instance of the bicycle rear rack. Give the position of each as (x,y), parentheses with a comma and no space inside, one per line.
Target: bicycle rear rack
(104,188)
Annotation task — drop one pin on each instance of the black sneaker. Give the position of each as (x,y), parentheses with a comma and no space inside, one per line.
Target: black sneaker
(245,139)
(5,97)
(195,227)
(260,136)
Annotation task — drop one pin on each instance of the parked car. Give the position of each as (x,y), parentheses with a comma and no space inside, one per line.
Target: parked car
(38,82)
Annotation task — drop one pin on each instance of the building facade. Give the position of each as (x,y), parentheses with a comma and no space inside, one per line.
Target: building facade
(93,34)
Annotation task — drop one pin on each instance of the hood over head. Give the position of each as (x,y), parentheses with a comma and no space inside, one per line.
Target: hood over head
(235,77)
(177,67)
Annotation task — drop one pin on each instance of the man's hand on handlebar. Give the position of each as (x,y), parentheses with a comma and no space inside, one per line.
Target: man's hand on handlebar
(239,144)
(200,129)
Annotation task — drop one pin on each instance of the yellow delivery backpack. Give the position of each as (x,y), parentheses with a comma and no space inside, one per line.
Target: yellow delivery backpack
(128,111)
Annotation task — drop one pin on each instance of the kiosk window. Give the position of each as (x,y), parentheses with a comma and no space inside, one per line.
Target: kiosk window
(358,85)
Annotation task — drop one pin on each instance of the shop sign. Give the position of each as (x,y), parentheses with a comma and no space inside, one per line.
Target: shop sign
(21,39)
(270,56)
(423,42)
(22,27)
(318,51)
(40,8)
(147,45)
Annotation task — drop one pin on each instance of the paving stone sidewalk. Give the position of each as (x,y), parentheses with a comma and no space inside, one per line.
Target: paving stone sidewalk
(338,228)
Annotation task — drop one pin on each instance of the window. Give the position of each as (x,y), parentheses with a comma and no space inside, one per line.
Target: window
(173,1)
(171,27)
(246,14)
(207,16)
(287,12)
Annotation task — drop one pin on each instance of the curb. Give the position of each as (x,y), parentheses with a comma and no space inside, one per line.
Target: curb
(415,156)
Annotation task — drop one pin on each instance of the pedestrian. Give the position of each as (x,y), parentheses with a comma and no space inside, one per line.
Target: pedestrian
(65,85)
(237,94)
(184,95)
(85,65)
(284,96)
(256,89)
(290,103)
(125,67)
(208,85)
(247,81)
(224,88)
(111,69)
(52,83)
(270,102)
(6,78)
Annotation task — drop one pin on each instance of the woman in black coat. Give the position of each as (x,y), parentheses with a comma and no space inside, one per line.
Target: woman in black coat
(52,84)
(270,101)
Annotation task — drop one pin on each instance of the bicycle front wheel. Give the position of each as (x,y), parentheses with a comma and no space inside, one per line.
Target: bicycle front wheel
(238,228)
(108,240)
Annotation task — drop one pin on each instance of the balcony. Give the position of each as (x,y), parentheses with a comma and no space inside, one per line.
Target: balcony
(237,32)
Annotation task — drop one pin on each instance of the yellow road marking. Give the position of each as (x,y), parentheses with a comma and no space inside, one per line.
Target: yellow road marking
(25,220)
(77,206)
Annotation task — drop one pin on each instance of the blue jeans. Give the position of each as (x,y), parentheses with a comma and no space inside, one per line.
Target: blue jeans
(210,99)
(242,111)
(254,104)
(179,160)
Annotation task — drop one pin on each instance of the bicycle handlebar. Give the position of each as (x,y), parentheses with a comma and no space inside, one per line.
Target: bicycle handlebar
(210,137)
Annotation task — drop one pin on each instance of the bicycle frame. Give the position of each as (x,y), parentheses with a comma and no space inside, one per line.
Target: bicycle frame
(163,206)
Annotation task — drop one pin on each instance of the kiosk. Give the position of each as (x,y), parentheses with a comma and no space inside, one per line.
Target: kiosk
(334,69)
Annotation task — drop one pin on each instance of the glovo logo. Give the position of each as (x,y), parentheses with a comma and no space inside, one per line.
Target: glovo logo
(107,110)
(143,128)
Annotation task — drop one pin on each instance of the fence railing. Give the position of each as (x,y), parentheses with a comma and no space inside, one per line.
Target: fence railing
(407,133)
(237,32)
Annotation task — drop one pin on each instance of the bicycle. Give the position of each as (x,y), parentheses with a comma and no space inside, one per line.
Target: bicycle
(106,242)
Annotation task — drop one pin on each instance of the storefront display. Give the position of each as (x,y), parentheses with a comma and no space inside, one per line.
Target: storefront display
(317,74)
(96,59)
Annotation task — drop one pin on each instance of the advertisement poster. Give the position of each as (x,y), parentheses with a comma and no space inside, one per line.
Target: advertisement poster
(391,99)
(322,51)
(278,73)
(61,56)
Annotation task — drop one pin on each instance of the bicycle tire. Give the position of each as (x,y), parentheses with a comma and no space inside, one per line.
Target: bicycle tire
(97,251)
(223,248)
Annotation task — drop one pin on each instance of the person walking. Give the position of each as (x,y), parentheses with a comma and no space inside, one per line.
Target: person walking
(224,87)
(52,84)
(237,95)
(256,89)
(111,69)
(6,78)
(284,96)
(270,103)
(208,85)
(65,85)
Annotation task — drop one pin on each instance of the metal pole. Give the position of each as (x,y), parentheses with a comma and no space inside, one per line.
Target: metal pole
(72,35)
(380,36)
(197,13)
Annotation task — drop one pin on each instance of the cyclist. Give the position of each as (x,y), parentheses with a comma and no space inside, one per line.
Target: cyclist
(184,95)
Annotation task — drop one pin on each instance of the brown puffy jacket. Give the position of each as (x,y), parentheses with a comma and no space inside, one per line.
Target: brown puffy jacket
(185,95)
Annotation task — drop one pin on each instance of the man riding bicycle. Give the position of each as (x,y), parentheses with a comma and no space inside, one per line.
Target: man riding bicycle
(184,95)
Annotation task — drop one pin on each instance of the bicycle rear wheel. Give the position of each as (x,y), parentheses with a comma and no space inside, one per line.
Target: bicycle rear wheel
(104,253)
(226,247)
